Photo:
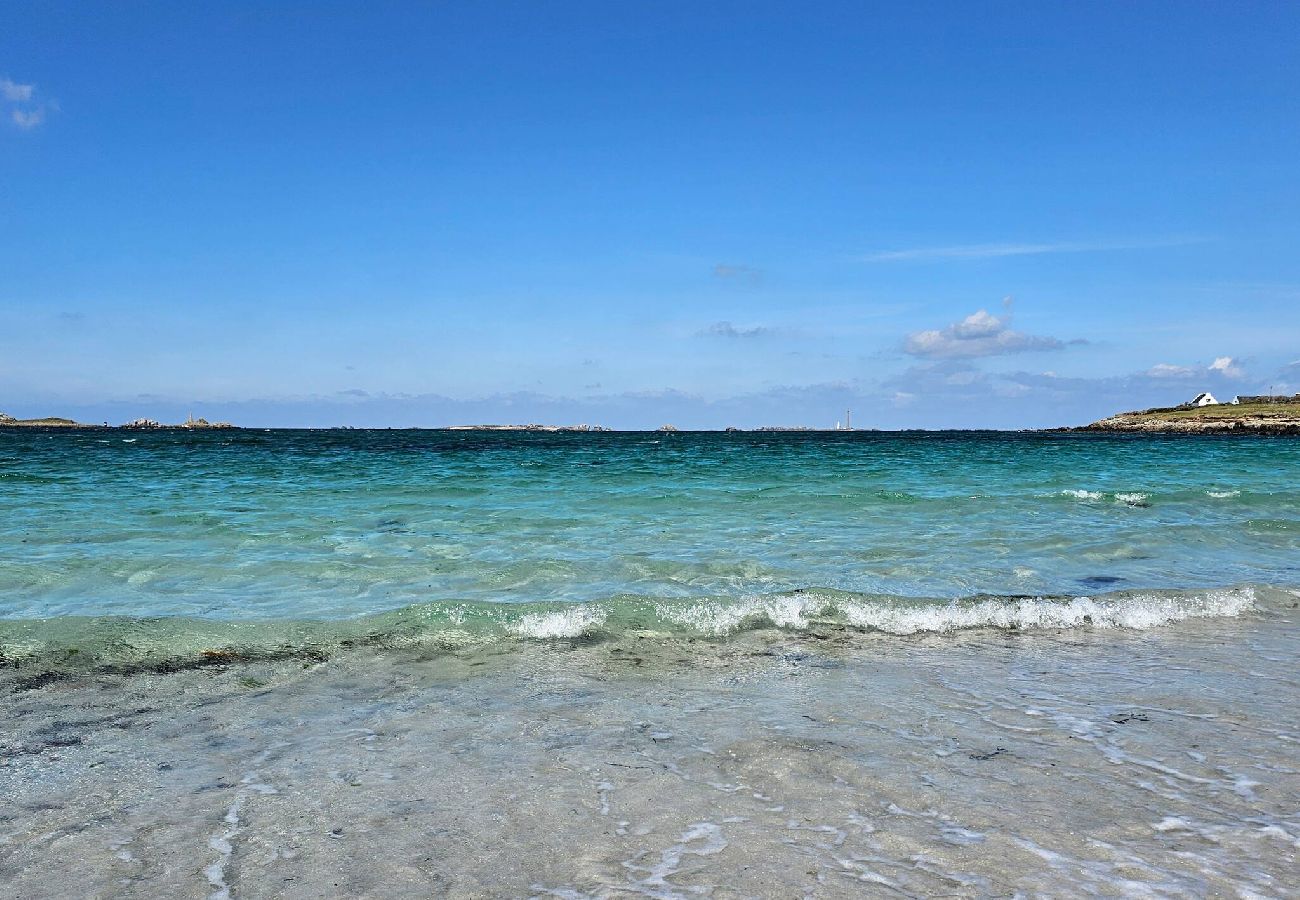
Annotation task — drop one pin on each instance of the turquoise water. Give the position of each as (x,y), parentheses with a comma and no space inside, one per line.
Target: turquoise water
(689,531)
(798,665)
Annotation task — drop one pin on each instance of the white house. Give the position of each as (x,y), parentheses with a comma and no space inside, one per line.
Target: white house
(1205,399)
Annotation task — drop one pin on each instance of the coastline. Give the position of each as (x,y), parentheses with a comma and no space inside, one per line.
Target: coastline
(1270,418)
(372,663)
(1163,430)
(985,763)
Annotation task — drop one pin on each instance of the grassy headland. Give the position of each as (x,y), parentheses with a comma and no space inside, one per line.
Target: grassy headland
(1279,417)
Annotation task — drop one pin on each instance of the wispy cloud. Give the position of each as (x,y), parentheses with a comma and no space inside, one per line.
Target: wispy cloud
(728,330)
(24,107)
(744,274)
(1168,370)
(16,93)
(27,119)
(1223,367)
(979,334)
(997,250)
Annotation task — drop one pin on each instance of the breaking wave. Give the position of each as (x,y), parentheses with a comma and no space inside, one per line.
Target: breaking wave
(1128,498)
(575,621)
(901,616)
(124,644)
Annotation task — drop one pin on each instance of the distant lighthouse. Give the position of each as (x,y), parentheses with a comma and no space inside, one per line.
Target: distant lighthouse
(848,420)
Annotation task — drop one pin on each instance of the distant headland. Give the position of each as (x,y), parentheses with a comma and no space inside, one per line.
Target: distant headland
(190,424)
(1264,415)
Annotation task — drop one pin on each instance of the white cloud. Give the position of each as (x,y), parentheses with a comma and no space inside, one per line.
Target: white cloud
(728,330)
(1166,370)
(995,251)
(1223,366)
(16,93)
(745,274)
(25,109)
(979,334)
(27,119)
(1227,367)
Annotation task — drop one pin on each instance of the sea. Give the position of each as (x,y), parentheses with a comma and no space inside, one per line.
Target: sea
(240,663)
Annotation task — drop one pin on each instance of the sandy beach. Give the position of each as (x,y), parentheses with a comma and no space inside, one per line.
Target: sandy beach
(834,763)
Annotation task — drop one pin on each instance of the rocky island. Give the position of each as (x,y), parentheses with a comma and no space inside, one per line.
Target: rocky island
(1261,415)
(192,424)
(8,421)
(529,427)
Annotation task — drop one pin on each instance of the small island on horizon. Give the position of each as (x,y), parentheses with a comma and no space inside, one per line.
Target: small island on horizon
(190,424)
(1245,415)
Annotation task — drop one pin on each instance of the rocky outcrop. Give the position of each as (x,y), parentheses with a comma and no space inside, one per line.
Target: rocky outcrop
(1252,418)
(7,421)
(189,424)
(529,427)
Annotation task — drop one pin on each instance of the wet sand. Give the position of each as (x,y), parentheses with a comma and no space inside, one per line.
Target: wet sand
(829,764)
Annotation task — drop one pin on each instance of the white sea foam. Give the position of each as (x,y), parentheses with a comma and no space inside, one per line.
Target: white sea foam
(1134,611)
(1081,494)
(563,623)
(902,617)
(700,839)
(711,617)
(1223,495)
(221,843)
(1133,498)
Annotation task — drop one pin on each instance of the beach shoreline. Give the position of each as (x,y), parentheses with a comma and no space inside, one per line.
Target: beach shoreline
(388,664)
(982,763)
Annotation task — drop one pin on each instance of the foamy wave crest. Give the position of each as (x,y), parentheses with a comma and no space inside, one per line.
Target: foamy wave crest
(1133,611)
(1133,498)
(904,616)
(1223,495)
(126,645)
(1128,498)
(575,621)
(720,618)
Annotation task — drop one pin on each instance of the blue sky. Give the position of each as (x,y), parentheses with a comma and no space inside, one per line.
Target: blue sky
(970,215)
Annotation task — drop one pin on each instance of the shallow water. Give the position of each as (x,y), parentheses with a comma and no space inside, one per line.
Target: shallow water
(392,664)
(435,532)
(827,763)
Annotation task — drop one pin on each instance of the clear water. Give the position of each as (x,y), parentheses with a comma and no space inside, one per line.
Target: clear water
(795,665)
(702,531)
